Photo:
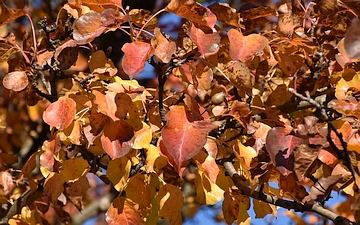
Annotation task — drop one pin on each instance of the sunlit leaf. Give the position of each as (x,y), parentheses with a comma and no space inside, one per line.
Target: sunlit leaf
(280,144)
(170,200)
(225,13)
(118,172)
(88,27)
(60,114)
(73,169)
(208,165)
(164,49)
(343,86)
(348,107)
(135,56)
(138,191)
(193,11)
(261,208)
(207,192)
(185,133)
(117,138)
(16,81)
(245,47)
(207,42)
(122,212)
(140,17)
(322,188)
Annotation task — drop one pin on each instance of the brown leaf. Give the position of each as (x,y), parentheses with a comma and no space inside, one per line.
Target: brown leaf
(193,11)
(348,107)
(304,158)
(225,13)
(66,54)
(140,17)
(170,201)
(238,73)
(8,14)
(16,81)
(7,47)
(287,24)
(121,211)
(352,39)
(289,188)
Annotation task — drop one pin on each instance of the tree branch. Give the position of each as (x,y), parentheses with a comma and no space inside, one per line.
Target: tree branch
(287,204)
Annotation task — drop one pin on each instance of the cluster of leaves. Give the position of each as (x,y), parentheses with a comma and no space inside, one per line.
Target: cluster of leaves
(277,105)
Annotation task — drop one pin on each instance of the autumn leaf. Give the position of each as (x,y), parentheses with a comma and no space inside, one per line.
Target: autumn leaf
(140,17)
(184,134)
(245,47)
(348,107)
(8,14)
(193,11)
(164,49)
(207,192)
(280,144)
(54,186)
(122,212)
(322,188)
(118,172)
(226,14)
(135,56)
(88,27)
(352,40)
(170,200)
(60,114)
(304,158)
(117,138)
(16,80)
(7,47)
(207,42)
(73,169)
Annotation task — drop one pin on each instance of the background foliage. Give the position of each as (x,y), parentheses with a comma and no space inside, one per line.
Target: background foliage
(245,94)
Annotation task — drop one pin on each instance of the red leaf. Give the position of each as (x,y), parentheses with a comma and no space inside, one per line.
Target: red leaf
(244,47)
(135,56)
(185,133)
(122,212)
(207,42)
(61,113)
(117,139)
(193,11)
(16,81)
(280,145)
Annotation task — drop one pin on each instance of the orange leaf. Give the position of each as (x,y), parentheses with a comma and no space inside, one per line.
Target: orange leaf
(88,27)
(54,186)
(135,56)
(16,80)
(245,47)
(122,212)
(6,183)
(193,11)
(225,13)
(209,165)
(117,138)
(60,114)
(8,14)
(164,49)
(73,169)
(170,201)
(207,42)
(185,133)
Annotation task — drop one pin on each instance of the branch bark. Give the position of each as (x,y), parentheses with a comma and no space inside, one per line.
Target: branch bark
(287,204)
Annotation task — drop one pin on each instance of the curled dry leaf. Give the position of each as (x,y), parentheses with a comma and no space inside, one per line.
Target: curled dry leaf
(225,14)
(16,80)
(245,47)
(193,11)
(8,14)
(60,114)
(135,56)
(322,188)
(66,54)
(185,134)
(304,158)
(164,49)
(348,107)
(140,17)
(207,42)
(7,47)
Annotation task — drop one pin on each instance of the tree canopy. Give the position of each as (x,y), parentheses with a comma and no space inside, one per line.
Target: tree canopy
(244,96)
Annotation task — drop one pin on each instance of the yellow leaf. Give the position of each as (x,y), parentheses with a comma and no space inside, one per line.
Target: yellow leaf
(261,208)
(27,215)
(118,172)
(245,152)
(138,191)
(154,161)
(73,169)
(243,217)
(170,200)
(143,134)
(207,191)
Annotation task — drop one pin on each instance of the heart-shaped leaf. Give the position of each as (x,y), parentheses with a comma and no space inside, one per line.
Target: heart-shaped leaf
(185,133)
(60,114)
(135,56)
(207,42)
